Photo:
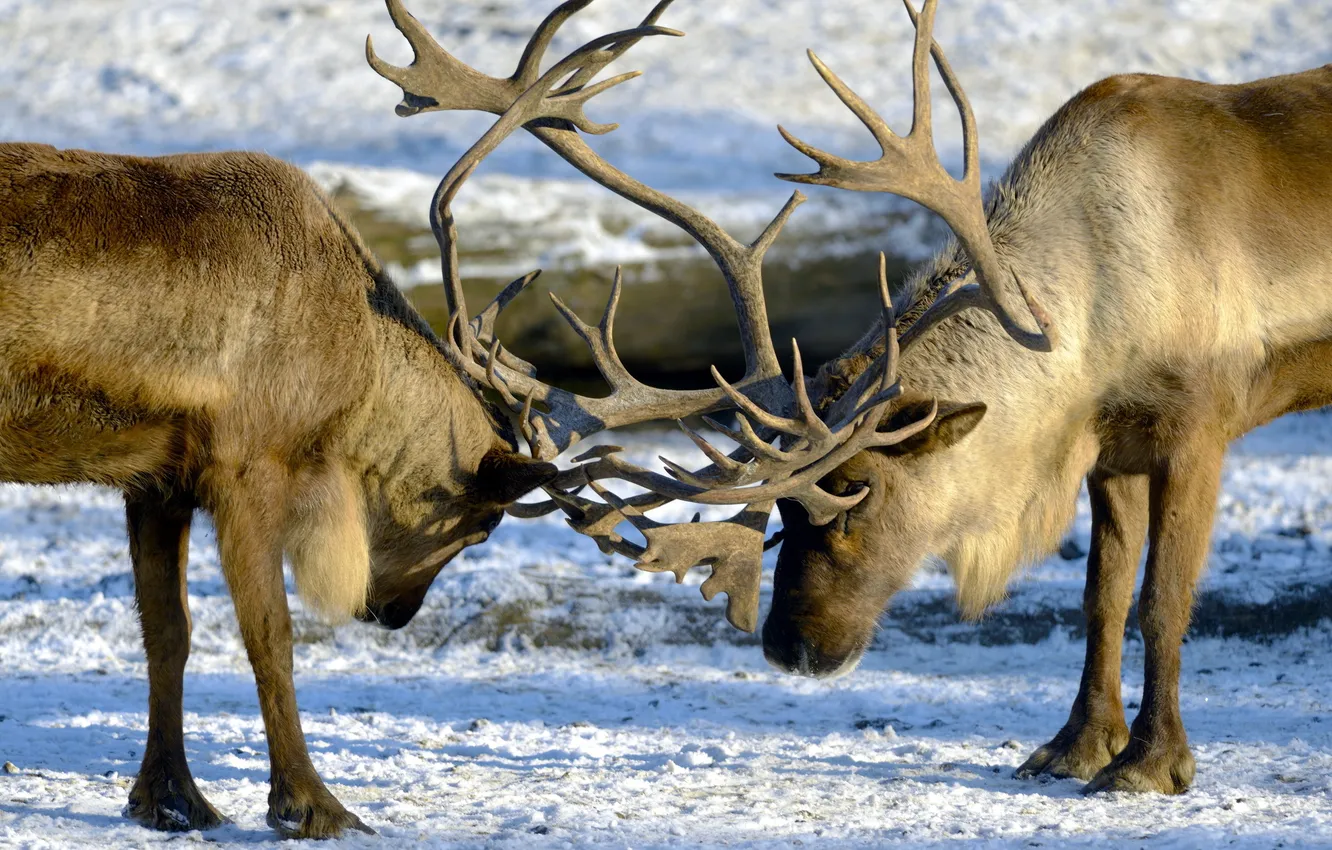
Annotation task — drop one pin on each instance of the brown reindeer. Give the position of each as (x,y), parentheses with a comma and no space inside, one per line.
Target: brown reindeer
(205,332)
(1176,231)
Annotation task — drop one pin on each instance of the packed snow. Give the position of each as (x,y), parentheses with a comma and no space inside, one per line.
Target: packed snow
(290,78)
(648,739)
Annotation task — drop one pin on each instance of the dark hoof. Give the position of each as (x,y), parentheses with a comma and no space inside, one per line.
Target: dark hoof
(1166,770)
(1078,752)
(171,805)
(317,815)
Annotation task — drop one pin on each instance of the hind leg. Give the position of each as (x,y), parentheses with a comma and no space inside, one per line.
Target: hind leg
(164,795)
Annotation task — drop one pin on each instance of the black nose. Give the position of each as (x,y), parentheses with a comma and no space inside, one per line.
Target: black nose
(789,651)
(792,654)
(390,615)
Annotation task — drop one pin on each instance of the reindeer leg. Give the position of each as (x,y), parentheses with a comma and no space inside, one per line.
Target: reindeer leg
(250,515)
(1096,731)
(164,795)
(1183,500)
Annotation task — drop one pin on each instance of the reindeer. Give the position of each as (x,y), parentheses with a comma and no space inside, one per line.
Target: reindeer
(206,332)
(1177,232)
(1176,229)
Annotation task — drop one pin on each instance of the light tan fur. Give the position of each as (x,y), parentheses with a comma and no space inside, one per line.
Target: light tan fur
(328,543)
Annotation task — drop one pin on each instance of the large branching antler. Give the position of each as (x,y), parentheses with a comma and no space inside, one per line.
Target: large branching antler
(550,105)
(436,80)
(794,472)
(910,167)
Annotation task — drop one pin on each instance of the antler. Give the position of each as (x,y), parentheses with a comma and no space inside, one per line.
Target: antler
(910,167)
(436,80)
(734,547)
(550,105)
(793,473)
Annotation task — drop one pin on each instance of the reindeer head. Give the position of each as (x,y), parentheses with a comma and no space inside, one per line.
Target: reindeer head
(418,526)
(834,579)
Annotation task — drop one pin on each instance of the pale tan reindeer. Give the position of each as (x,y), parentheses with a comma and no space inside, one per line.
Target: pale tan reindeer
(1179,237)
(205,332)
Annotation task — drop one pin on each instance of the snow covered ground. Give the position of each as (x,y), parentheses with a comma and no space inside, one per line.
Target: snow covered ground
(649,738)
(290,78)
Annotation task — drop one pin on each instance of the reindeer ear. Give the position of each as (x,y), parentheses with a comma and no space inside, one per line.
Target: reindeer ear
(954,421)
(504,477)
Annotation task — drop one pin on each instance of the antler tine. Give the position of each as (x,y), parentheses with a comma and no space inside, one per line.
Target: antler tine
(529,66)
(746,437)
(614,52)
(813,427)
(483,325)
(437,80)
(921,105)
(970,138)
(862,394)
(600,340)
(910,167)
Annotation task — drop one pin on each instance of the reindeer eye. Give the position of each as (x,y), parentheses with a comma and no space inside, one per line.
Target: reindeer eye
(853,487)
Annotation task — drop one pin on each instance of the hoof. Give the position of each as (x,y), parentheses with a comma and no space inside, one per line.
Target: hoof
(1079,751)
(1165,770)
(313,815)
(171,805)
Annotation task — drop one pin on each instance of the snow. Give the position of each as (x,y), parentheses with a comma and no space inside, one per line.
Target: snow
(290,78)
(650,739)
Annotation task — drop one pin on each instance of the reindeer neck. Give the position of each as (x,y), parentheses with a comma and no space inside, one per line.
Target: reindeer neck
(1011,485)
(422,417)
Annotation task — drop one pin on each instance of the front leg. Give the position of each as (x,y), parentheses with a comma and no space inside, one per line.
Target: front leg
(1183,501)
(1096,731)
(251,511)
(164,795)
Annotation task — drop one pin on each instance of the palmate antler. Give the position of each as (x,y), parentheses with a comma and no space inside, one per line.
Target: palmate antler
(550,105)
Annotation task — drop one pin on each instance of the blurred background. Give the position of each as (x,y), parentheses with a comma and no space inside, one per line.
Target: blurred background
(290,78)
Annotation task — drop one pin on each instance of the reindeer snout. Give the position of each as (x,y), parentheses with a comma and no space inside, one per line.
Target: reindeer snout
(391,615)
(793,654)
(787,650)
